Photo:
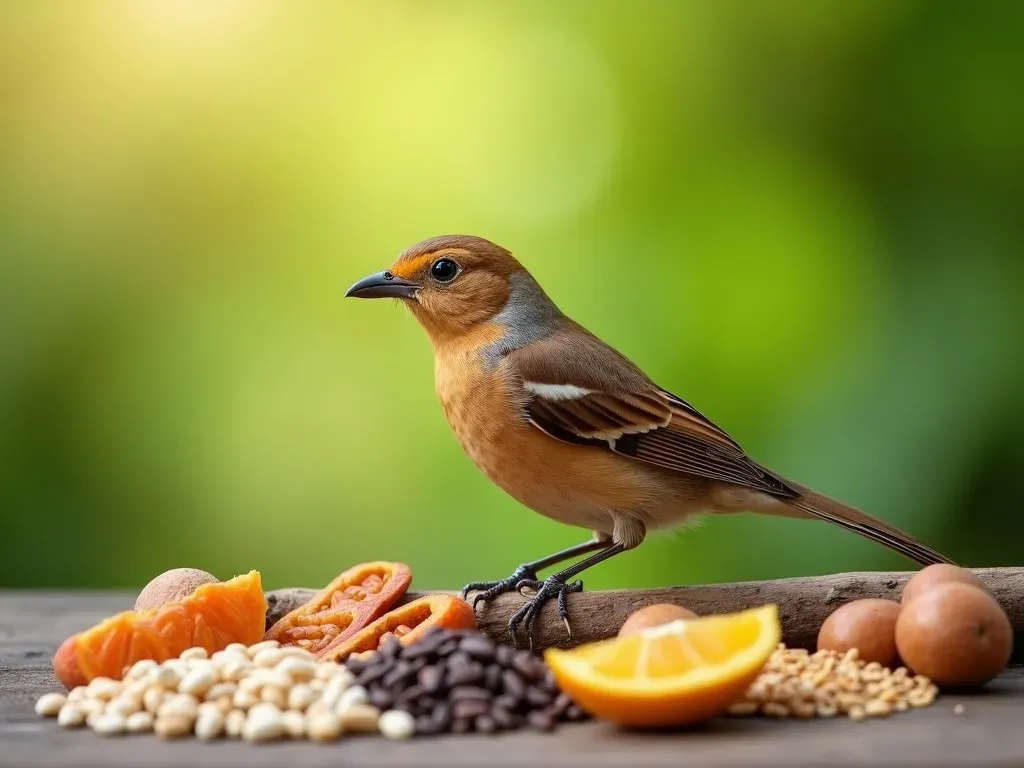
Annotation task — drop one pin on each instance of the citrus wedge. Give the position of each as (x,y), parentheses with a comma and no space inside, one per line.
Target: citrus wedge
(679,673)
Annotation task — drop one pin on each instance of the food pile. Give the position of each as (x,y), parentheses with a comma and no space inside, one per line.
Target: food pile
(195,658)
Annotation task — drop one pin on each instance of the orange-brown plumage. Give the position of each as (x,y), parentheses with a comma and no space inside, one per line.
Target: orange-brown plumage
(570,427)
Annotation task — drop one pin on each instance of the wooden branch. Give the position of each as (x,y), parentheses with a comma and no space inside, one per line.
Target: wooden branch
(804,603)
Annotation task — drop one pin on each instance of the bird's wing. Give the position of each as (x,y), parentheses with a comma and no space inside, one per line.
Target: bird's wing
(579,390)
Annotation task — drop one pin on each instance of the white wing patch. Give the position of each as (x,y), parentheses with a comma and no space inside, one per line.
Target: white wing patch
(557,391)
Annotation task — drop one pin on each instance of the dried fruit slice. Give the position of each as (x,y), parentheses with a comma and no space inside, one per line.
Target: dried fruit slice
(212,617)
(355,598)
(419,617)
(679,673)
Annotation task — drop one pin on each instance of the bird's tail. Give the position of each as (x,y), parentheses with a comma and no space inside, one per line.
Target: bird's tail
(824,508)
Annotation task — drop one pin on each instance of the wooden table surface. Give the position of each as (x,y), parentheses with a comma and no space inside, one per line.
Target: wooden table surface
(989,731)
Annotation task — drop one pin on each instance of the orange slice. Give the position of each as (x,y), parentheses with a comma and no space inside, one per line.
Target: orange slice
(679,673)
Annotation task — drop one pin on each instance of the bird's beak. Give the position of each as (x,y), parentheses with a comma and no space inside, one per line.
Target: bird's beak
(383,285)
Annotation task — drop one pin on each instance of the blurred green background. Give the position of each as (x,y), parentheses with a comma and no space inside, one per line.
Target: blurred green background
(805,218)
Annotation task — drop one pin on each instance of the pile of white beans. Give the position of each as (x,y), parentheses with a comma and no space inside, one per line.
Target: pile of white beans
(258,693)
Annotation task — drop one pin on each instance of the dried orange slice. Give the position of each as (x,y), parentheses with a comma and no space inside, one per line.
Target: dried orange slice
(212,617)
(675,674)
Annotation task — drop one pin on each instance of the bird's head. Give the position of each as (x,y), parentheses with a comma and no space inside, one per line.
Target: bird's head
(453,284)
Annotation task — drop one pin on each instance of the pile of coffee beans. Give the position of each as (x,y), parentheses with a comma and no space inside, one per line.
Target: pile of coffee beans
(457,681)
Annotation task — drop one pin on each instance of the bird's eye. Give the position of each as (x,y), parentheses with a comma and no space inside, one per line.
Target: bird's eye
(444,270)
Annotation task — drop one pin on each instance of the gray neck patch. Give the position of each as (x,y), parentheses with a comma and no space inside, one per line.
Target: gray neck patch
(529,315)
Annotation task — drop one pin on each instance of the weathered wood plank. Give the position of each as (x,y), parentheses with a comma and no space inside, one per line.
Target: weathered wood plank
(32,626)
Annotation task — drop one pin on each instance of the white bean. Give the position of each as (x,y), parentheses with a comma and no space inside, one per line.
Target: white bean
(141,669)
(294,724)
(123,706)
(49,704)
(359,718)
(139,722)
(78,693)
(92,706)
(210,724)
(275,695)
(108,725)
(104,688)
(323,726)
(268,657)
(352,697)
(300,697)
(263,723)
(235,670)
(233,723)
(252,650)
(220,690)
(244,699)
(335,687)
(237,648)
(180,704)
(194,653)
(396,724)
(199,680)
(71,716)
(173,726)
(154,697)
(165,676)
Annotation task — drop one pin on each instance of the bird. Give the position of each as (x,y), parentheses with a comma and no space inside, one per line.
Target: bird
(573,429)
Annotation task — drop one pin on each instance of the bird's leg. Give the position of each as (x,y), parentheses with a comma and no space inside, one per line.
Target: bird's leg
(558,585)
(528,571)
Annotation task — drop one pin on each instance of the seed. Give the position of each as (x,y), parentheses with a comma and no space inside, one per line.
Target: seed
(237,648)
(235,670)
(774,709)
(209,724)
(49,704)
(199,680)
(299,670)
(396,724)
(123,706)
(139,722)
(877,707)
(165,676)
(70,716)
(244,699)
(272,694)
(268,657)
(78,693)
(323,726)
(108,725)
(294,724)
(857,713)
(300,697)
(180,704)
(359,718)
(194,653)
(233,723)
(252,650)
(141,669)
(221,690)
(104,688)
(154,697)
(172,726)
(351,697)
(263,723)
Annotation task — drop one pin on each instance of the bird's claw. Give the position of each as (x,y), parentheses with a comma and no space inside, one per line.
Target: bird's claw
(552,587)
(488,590)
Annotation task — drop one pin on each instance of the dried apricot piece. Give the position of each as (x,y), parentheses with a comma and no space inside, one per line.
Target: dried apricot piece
(212,617)
(408,623)
(352,600)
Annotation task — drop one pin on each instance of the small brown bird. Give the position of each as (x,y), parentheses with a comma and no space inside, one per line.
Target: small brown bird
(571,428)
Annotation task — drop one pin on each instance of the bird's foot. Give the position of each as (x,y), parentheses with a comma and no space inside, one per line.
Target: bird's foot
(551,587)
(488,590)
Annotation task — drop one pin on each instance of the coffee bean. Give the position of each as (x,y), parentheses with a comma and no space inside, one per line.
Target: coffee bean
(469,708)
(540,721)
(469,692)
(502,718)
(526,666)
(462,725)
(372,674)
(562,704)
(505,701)
(381,698)
(492,678)
(503,655)
(447,647)
(478,647)
(486,724)
(427,726)
(442,715)
(399,673)
(425,646)
(465,675)
(390,648)
(537,697)
(431,679)
(512,684)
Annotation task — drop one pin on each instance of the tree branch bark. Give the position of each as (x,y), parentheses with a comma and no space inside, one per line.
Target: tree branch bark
(804,604)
